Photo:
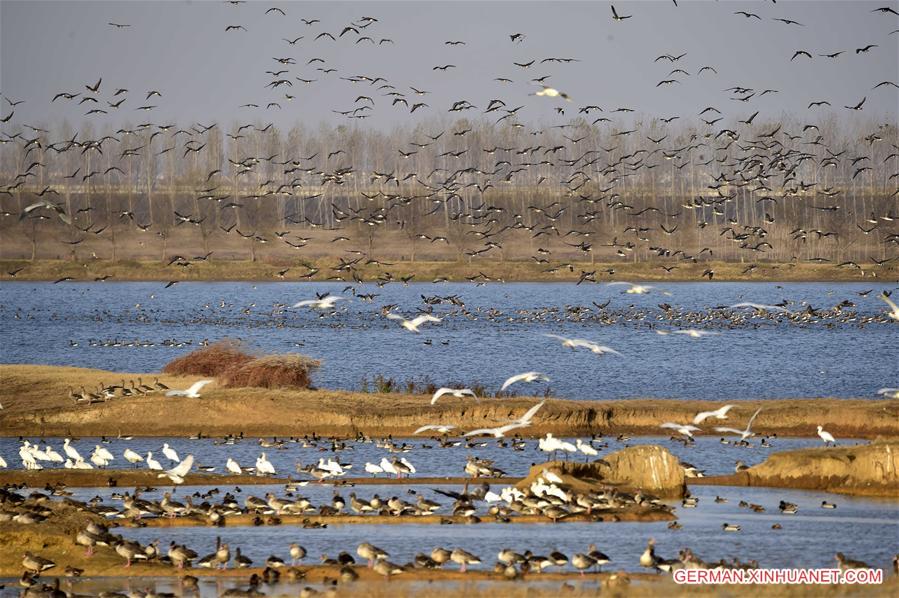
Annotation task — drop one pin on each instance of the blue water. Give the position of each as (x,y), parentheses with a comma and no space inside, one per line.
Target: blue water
(500,333)
(707,453)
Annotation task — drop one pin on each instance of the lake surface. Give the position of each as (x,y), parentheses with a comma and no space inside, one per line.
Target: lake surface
(707,453)
(850,351)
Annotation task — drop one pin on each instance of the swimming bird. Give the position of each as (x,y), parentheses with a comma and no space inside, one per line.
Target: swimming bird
(525,377)
(826,436)
(458,393)
(193,392)
(744,434)
(413,324)
(720,413)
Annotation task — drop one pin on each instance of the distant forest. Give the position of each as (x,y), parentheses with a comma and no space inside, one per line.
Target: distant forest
(456,190)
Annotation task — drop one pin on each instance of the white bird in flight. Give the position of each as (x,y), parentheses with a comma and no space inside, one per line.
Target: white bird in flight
(720,413)
(441,428)
(551,92)
(326,302)
(575,343)
(177,473)
(413,324)
(634,289)
(193,392)
(525,377)
(744,434)
(894,309)
(500,431)
(684,429)
(890,393)
(456,392)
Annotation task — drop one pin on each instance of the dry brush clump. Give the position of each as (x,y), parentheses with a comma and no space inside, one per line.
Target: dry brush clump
(212,360)
(272,371)
(234,367)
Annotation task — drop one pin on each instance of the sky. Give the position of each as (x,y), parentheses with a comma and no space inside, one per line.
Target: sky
(205,74)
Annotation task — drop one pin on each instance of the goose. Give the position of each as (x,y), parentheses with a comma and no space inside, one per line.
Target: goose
(525,377)
(326,302)
(386,568)
(132,457)
(159,385)
(169,452)
(152,463)
(180,555)
(193,392)
(233,467)
(264,466)
(70,450)
(846,563)
(649,560)
(598,557)
(241,561)
(130,551)
(458,393)
(582,562)
(297,553)
(371,553)
(463,558)
(720,413)
(413,324)
(35,563)
(744,434)
(826,436)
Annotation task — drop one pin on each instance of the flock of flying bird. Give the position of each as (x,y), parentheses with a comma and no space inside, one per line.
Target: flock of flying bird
(767,164)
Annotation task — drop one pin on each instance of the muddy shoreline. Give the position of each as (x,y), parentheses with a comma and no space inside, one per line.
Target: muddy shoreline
(36,403)
(425,271)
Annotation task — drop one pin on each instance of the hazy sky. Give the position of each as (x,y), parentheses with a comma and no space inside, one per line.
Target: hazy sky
(206,73)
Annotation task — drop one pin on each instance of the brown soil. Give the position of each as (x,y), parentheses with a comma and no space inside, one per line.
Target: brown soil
(652,469)
(93,478)
(424,271)
(36,403)
(867,470)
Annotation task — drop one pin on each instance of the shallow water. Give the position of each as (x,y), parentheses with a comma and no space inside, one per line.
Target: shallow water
(707,453)
(864,528)
(754,357)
